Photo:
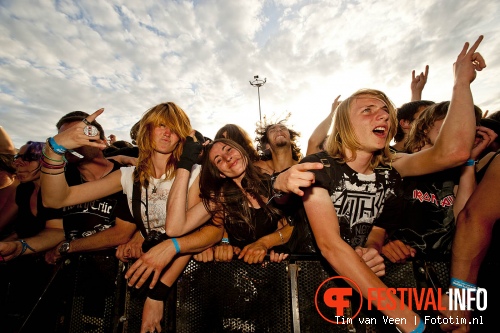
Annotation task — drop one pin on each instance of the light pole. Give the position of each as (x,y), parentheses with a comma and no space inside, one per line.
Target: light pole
(258,83)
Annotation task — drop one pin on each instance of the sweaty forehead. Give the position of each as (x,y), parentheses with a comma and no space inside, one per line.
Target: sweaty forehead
(368,100)
(217,149)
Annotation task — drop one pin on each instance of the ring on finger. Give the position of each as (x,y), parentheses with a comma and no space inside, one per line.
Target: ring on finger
(90,130)
(86,122)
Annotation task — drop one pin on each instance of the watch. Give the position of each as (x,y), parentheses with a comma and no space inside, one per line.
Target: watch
(64,248)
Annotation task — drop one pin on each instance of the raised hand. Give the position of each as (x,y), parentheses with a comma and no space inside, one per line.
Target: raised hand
(468,62)
(418,83)
(335,103)
(484,137)
(80,134)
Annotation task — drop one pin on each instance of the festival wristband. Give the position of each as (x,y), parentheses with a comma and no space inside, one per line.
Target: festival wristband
(176,245)
(470,163)
(457,283)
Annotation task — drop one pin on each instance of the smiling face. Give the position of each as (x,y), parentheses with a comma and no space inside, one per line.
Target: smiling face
(369,117)
(228,160)
(165,140)
(278,136)
(26,169)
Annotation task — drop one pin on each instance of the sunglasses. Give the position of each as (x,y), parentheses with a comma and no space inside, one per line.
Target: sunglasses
(27,157)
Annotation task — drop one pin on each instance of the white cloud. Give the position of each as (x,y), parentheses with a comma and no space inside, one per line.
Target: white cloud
(128,56)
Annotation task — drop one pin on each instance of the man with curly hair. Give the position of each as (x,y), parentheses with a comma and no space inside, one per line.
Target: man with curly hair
(277,145)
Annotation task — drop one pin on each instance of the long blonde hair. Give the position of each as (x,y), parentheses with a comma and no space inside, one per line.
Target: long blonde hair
(343,136)
(173,117)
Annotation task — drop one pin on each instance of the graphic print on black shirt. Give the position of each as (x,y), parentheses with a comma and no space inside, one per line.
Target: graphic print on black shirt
(359,200)
(429,223)
(89,218)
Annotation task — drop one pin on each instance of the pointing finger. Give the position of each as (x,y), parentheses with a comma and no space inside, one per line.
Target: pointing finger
(475,45)
(94,115)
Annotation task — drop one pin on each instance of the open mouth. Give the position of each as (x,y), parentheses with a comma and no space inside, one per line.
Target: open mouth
(379,131)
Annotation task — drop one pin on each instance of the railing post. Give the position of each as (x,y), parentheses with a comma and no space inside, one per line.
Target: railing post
(293,272)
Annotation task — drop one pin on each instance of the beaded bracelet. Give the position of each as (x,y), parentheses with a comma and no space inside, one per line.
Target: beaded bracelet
(281,236)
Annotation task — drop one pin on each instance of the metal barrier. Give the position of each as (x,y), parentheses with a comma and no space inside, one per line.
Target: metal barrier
(89,294)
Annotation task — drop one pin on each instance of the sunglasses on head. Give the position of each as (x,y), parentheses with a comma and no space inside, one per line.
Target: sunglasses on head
(27,157)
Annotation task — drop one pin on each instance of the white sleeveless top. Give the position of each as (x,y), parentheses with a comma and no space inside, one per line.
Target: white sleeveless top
(157,202)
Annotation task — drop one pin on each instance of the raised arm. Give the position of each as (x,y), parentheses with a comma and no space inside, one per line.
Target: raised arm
(55,189)
(179,221)
(456,137)
(321,131)
(6,144)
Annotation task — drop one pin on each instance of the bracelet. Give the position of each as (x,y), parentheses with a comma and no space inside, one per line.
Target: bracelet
(25,246)
(51,159)
(56,148)
(52,174)
(176,245)
(419,329)
(457,283)
(160,291)
(281,236)
(46,165)
(470,162)
(225,240)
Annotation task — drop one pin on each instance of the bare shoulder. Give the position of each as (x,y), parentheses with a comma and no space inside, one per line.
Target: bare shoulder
(264,167)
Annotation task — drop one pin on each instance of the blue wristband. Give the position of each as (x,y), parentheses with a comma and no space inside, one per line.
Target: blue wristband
(457,283)
(470,163)
(420,328)
(176,245)
(58,149)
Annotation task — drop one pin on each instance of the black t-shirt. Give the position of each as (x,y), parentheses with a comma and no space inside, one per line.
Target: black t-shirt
(27,224)
(428,223)
(360,201)
(89,218)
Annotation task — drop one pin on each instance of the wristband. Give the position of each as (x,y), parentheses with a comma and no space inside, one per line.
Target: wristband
(176,245)
(25,247)
(56,148)
(225,240)
(160,291)
(419,329)
(457,283)
(470,162)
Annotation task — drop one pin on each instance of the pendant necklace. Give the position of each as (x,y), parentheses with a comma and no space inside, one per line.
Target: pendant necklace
(155,185)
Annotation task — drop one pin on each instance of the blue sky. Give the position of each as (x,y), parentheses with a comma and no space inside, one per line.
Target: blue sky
(127,56)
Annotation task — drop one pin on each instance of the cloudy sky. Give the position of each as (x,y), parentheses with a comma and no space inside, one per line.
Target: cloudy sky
(127,56)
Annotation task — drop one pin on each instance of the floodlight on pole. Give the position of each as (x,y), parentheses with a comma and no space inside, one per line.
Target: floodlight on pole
(258,83)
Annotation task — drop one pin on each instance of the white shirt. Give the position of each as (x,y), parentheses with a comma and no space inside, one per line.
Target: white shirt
(157,202)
